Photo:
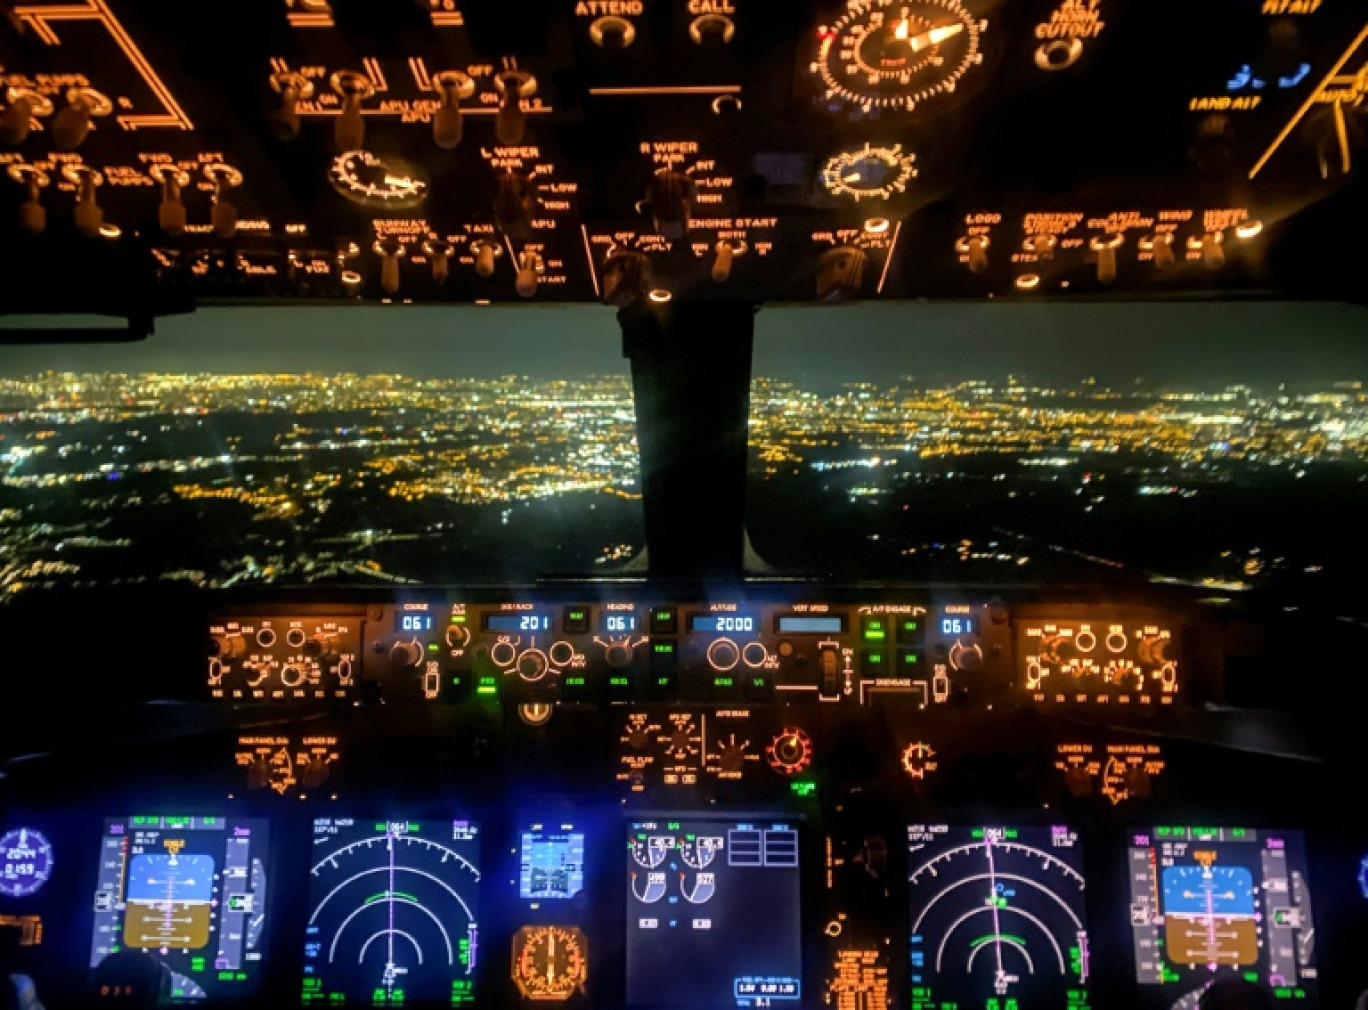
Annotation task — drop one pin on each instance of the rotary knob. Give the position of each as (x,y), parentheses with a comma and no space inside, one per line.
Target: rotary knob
(723,655)
(292,676)
(968,658)
(790,752)
(731,757)
(515,202)
(637,737)
(532,665)
(617,655)
(404,654)
(457,635)
(840,273)
(671,197)
(226,646)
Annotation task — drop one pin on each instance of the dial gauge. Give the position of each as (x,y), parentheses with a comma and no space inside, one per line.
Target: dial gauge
(373,181)
(896,54)
(869,172)
(550,963)
(25,862)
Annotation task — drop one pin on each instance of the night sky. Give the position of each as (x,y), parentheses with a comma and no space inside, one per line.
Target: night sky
(1195,344)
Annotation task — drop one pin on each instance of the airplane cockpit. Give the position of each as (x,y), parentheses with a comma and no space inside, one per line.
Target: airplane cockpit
(683,504)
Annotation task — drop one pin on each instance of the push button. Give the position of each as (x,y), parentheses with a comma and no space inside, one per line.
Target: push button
(910,630)
(874,630)
(576,620)
(664,621)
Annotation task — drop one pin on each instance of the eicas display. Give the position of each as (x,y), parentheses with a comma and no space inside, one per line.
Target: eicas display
(998,918)
(713,914)
(1208,903)
(190,891)
(393,912)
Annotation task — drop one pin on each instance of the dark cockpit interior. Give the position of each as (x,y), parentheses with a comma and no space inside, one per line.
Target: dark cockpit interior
(645,504)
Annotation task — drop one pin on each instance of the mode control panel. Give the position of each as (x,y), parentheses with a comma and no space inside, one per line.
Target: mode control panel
(919,655)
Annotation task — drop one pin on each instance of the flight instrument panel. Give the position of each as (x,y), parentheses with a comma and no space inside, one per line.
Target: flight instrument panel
(618,795)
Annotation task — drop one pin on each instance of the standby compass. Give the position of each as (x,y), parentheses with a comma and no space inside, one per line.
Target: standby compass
(894,55)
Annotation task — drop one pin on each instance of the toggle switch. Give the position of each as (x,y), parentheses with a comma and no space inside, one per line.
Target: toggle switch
(626,277)
(511,122)
(840,273)
(1160,246)
(349,130)
(389,250)
(293,88)
(71,124)
(529,273)
(448,125)
(515,201)
(612,32)
(171,212)
(1105,246)
(671,196)
(89,216)
(1040,244)
(727,250)
(32,213)
(975,249)
(439,251)
(1212,247)
(21,105)
(223,216)
(712,31)
(486,252)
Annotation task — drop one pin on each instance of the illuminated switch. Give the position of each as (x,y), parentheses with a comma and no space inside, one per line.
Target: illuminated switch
(576,620)
(662,670)
(620,686)
(874,629)
(728,685)
(874,663)
(909,663)
(575,686)
(910,629)
(663,621)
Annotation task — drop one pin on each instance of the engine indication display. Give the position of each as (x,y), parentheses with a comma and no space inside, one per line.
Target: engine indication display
(191,892)
(998,918)
(1211,902)
(896,54)
(393,912)
(25,862)
(713,914)
(551,862)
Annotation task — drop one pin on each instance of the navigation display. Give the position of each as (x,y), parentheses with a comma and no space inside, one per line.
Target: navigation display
(1208,902)
(713,914)
(190,891)
(393,912)
(551,862)
(998,918)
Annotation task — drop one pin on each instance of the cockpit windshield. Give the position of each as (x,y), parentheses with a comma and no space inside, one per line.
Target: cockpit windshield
(1217,445)
(249,447)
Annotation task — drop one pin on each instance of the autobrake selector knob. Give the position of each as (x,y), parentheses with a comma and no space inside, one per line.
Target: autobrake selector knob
(448,124)
(513,86)
(21,106)
(292,88)
(671,195)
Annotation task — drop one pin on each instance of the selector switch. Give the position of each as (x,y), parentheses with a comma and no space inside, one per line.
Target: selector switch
(448,124)
(515,201)
(626,278)
(292,88)
(171,211)
(71,124)
(406,654)
(671,195)
(510,125)
(21,106)
(840,273)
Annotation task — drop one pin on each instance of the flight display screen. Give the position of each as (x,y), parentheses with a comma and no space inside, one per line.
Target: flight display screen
(191,892)
(713,914)
(393,912)
(1208,902)
(998,918)
(550,862)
